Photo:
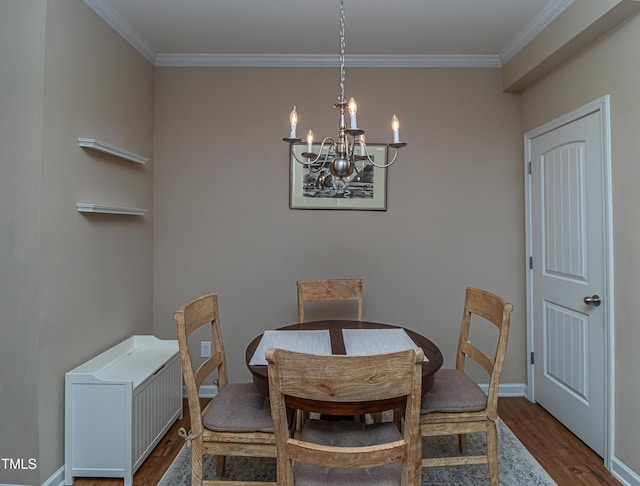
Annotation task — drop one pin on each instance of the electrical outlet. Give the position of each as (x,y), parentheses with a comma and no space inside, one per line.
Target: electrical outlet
(205,349)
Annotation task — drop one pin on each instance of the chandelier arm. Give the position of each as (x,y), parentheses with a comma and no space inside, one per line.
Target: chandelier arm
(356,158)
(331,143)
(355,168)
(363,149)
(380,166)
(315,171)
(351,153)
(302,162)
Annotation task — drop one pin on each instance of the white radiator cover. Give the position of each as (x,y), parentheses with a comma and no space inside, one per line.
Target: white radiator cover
(119,405)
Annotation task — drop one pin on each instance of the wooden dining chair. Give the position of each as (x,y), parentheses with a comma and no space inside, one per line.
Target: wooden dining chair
(345,452)
(237,421)
(347,289)
(456,404)
(333,290)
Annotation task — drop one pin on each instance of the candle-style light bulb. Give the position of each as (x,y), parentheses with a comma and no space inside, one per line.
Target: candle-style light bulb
(293,120)
(353,110)
(309,141)
(395,126)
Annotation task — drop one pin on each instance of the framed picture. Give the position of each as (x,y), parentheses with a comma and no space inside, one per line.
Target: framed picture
(314,187)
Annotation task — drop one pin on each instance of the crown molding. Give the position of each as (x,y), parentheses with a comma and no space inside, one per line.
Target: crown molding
(325,60)
(105,11)
(547,15)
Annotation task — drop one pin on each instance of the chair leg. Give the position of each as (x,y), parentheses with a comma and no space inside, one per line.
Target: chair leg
(196,463)
(220,460)
(492,453)
(462,443)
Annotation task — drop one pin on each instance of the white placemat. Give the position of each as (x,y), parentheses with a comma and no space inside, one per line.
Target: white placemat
(376,341)
(314,342)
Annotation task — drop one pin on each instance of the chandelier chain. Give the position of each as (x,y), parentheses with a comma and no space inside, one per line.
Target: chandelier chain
(342,46)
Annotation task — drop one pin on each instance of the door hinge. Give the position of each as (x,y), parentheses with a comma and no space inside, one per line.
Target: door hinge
(531,263)
(529,168)
(532,360)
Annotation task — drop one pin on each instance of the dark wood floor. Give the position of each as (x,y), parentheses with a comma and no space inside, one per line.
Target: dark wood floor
(567,460)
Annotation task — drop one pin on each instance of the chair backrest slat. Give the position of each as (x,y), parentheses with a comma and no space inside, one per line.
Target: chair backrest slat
(344,378)
(333,290)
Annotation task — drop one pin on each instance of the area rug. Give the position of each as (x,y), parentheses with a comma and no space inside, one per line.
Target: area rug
(517,465)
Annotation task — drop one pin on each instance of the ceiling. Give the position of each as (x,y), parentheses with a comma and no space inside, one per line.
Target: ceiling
(275,32)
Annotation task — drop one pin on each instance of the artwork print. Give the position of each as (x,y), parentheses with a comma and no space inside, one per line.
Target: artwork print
(314,187)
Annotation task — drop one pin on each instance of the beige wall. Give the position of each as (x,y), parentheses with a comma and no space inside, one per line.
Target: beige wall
(610,67)
(86,281)
(22,60)
(217,184)
(222,221)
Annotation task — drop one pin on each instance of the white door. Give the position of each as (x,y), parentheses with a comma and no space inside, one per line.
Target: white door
(568,226)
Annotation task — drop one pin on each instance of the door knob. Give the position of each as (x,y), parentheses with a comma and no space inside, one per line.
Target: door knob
(593,300)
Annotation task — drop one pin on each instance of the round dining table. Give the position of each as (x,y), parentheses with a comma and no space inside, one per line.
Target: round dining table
(335,327)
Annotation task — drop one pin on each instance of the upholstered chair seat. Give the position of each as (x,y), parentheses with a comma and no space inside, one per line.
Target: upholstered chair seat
(348,434)
(239,407)
(453,391)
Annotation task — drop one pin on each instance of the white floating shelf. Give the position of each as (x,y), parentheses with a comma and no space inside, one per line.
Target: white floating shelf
(98,208)
(93,144)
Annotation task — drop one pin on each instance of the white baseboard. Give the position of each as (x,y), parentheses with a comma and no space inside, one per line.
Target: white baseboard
(206,391)
(56,479)
(623,474)
(508,389)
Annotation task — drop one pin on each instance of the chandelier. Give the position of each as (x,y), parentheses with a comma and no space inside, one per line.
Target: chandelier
(350,147)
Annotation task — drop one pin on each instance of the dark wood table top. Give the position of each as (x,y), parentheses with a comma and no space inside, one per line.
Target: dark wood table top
(335,327)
